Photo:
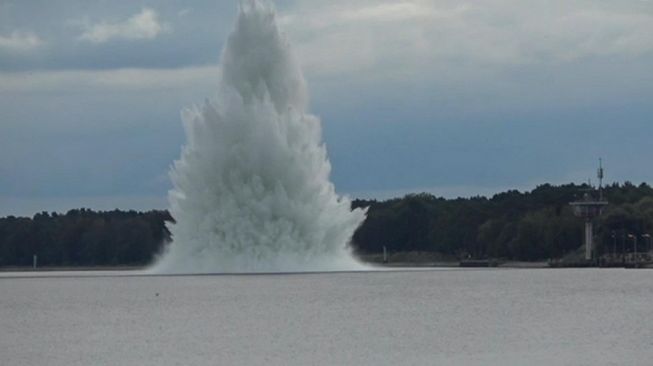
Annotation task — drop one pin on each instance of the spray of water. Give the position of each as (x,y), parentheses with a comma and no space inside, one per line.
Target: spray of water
(251,189)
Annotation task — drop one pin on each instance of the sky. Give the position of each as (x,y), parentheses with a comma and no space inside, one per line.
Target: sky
(456,98)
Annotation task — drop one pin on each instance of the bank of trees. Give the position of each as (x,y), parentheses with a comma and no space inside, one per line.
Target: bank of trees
(533,225)
(83,238)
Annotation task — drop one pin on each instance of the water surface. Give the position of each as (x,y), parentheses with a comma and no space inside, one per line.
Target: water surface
(443,317)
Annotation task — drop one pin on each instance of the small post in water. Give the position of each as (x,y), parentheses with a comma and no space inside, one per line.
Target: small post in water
(385,255)
(34,261)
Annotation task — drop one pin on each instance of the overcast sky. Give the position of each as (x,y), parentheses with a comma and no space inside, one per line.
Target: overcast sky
(450,97)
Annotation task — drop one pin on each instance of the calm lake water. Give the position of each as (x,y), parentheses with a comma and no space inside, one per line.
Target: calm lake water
(432,317)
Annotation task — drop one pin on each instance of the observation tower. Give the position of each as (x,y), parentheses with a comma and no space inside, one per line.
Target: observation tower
(590,208)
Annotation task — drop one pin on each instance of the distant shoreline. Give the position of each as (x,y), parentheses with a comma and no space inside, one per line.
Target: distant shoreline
(71,268)
(391,265)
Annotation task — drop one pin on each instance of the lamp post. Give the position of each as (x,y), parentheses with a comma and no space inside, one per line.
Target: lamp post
(647,237)
(634,237)
(614,245)
(623,245)
(648,240)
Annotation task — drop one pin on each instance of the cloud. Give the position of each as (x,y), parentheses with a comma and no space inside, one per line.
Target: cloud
(130,79)
(144,25)
(417,36)
(398,84)
(184,12)
(20,41)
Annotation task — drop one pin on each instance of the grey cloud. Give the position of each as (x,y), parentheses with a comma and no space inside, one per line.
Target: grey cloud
(443,96)
(141,26)
(18,41)
(121,80)
(196,39)
(425,35)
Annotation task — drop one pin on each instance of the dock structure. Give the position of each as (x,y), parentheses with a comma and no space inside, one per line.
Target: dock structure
(589,208)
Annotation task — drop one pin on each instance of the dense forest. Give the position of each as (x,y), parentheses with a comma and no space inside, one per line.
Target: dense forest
(513,225)
(83,238)
(529,226)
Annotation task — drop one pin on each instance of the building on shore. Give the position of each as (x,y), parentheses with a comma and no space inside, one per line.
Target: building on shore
(589,208)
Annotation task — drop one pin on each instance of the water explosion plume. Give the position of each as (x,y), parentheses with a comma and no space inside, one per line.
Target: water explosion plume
(251,189)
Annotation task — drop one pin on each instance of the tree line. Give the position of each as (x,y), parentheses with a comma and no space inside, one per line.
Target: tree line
(513,225)
(83,237)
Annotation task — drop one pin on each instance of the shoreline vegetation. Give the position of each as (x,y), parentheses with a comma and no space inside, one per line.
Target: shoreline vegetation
(394,265)
(510,229)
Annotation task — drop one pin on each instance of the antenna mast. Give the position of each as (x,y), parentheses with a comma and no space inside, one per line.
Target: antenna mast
(599,174)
